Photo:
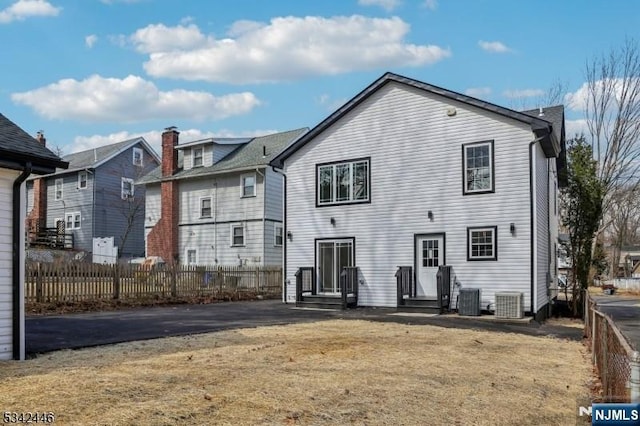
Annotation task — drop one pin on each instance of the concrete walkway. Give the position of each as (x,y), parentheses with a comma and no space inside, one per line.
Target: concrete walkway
(625,312)
(72,331)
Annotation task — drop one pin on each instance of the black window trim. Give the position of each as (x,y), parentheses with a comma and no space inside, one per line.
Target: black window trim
(343,203)
(495,243)
(491,143)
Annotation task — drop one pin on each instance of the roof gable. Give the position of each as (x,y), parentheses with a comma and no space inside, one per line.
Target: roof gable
(17,145)
(542,128)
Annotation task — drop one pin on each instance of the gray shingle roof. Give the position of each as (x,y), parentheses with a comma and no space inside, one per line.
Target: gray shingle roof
(244,157)
(552,114)
(16,144)
(91,157)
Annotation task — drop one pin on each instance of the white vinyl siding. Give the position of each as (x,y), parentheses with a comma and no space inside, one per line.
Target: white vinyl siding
(542,222)
(415,167)
(152,205)
(7,177)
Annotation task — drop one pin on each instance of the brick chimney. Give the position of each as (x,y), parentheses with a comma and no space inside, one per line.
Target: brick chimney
(37,217)
(163,238)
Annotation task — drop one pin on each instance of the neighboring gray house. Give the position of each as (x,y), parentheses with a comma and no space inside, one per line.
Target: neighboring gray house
(221,206)
(411,175)
(94,198)
(20,156)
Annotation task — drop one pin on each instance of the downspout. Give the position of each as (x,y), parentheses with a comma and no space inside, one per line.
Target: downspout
(264,212)
(18,238)
(284,234)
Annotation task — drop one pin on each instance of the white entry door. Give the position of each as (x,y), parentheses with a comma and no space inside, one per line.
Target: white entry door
(429,253)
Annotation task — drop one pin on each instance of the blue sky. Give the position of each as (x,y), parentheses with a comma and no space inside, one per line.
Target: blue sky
(92,72)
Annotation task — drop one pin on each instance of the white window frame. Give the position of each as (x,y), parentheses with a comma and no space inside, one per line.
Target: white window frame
(236,226)
(186,256)
(332,168)
(73,218)
(202,215)
(465,169)
(123,194)
(243,186)
(193,156)
(138,152)
(86,179)
(275,235)
(493,243)
(58,192)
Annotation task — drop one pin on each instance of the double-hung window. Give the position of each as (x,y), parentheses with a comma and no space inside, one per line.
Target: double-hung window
(278,236)
(82,180)
(192,257)
(248,182)
(237,235)
(205,207)
(343,182)
(58,189)
(482,243)
(72,220)
(126,189)
(478,170)
(137,157)
(198,155)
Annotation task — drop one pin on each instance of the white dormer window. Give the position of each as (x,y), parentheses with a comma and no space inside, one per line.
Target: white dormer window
(248,183)
(82,180)
(138,157)
(126,188)
(198,155)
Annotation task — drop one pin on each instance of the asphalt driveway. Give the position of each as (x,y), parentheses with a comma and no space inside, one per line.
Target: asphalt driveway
(73,331)
(625,312)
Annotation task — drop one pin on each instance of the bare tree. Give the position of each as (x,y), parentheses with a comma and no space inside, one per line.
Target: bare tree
(623,218)
(612,113)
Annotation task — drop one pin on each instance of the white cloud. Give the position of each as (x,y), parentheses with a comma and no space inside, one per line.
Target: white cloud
(155,38)
(478,91)
(523,93)
(430,4)
(286,48)
(153,137)
(100,99)
(577,100)
(23,9)
(576,127)
(494,46)
(387,5)
(90,40)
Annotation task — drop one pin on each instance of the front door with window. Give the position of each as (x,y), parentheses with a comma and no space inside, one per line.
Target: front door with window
(332,256)
(429,253)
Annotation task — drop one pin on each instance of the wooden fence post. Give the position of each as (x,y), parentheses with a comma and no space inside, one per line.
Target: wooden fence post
(116,281)
(173,271)
(39,284)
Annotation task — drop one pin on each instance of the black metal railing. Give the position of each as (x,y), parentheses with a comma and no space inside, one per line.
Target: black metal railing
(443,278)
(406,283)
(348,284)
(305,282)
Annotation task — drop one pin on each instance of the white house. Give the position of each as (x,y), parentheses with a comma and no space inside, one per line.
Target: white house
(216,201)
(409,174)
(20,156)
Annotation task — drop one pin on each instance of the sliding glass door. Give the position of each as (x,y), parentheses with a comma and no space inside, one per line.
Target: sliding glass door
(332,256)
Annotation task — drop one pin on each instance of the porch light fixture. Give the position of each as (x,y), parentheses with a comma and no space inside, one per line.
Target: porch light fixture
(430,215)
(512,228)
(289,236)
(333,221)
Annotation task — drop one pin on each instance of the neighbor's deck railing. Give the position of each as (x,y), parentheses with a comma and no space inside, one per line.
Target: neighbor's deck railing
(70,282)
(305,282)
(617,363)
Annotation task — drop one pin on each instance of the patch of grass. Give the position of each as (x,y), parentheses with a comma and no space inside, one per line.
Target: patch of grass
(328,372)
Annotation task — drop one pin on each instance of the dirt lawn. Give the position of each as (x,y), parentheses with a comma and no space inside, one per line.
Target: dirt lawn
(330,372)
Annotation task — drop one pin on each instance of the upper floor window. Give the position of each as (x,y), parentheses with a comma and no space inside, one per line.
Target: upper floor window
(278,236)
(345,182)
(58,189)
(126,188)
(198,155)
(205,207)
(482,243)
(237,235)
(248,183)
(82,180)
(478,173)
(138,156)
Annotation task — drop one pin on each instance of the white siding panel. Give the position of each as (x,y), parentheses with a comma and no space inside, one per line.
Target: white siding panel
(542,232)
(274,195)
(416,166)
(7,177)
(152,205)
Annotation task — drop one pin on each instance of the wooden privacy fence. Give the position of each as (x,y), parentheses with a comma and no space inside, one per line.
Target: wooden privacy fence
(71,282)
